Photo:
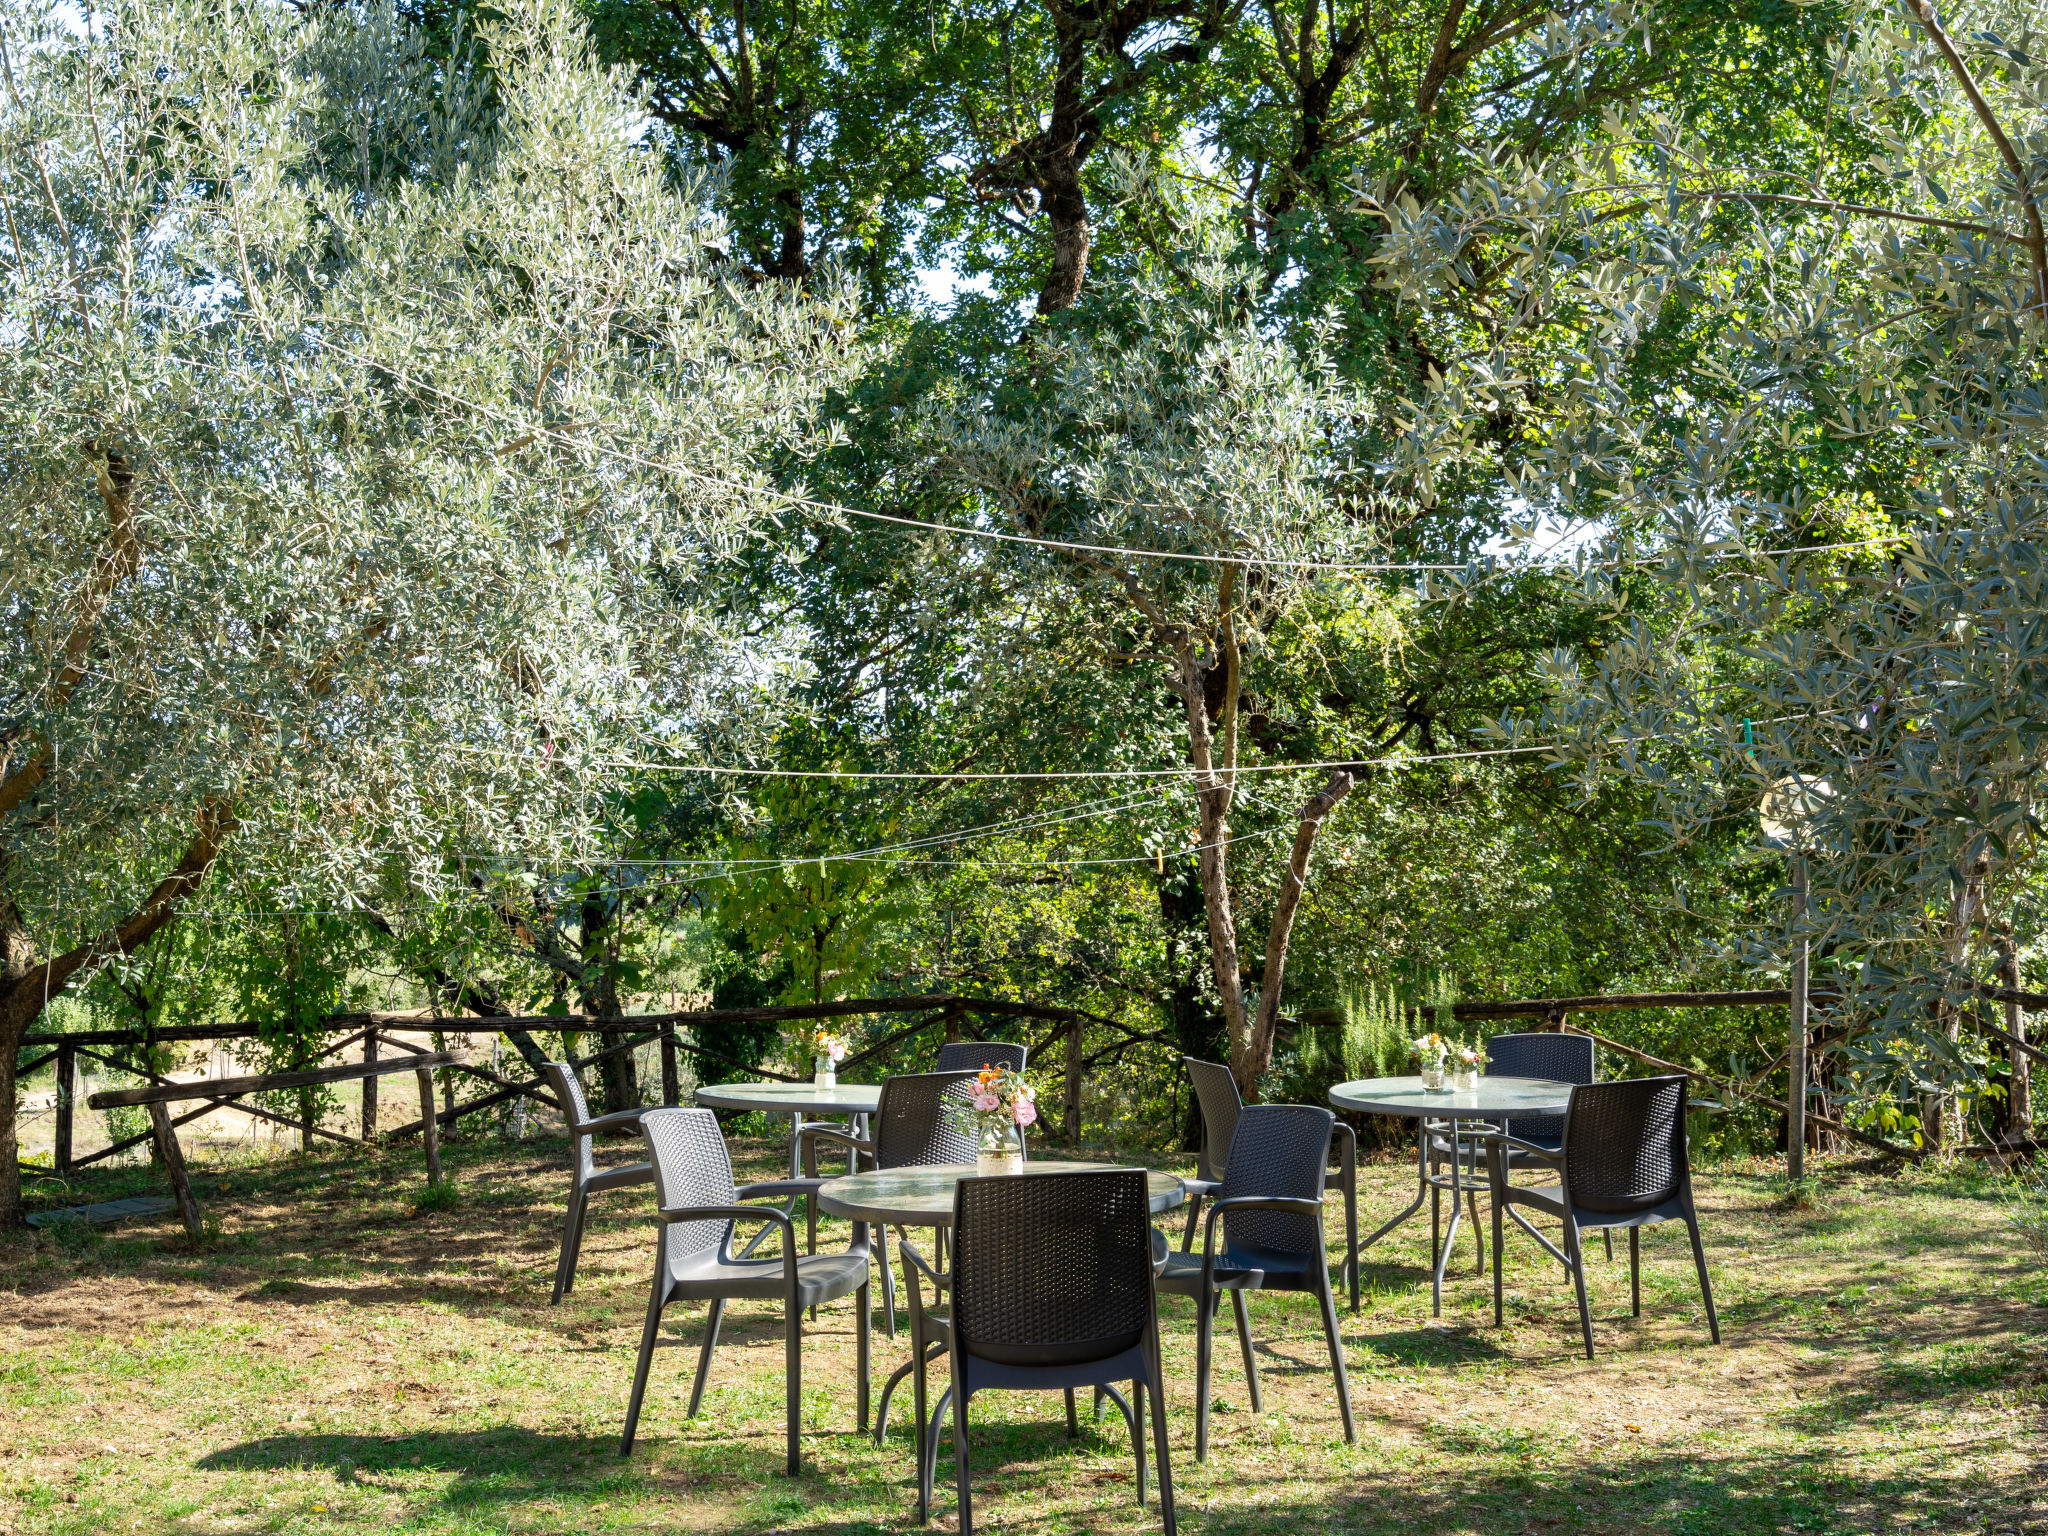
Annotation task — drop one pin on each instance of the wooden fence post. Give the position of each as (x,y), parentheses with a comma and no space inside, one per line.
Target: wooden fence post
(67,1089)
(174,1165)
(951,1019)
(430,1125)
(671,1075)
(369,1085)
(1070,1111)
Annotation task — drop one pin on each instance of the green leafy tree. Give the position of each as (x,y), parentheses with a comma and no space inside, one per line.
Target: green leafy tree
(318,537)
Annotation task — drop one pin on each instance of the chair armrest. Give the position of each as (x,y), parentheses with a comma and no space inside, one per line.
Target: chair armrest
(619,1121)
(1294,1206)
(1290,1204)
(923,1266)
(670,1215)
(777,1187)
(1503,1139)
(822,1131)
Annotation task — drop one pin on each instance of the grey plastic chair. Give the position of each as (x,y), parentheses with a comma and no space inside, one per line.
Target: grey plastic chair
(1216,1093)
(1051,1289)
(585,1177)
(694,1261)
(911,1128)
(973,1055)
(1271,1206)
(1622,1163)
(1560,1058)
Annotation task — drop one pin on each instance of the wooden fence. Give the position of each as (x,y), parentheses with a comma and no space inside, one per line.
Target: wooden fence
(952,1017)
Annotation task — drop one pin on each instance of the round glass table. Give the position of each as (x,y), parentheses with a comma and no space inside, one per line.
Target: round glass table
(1460,1118)
(923,1197)
(796,1100)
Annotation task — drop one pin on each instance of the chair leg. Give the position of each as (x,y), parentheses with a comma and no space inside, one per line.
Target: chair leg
(656,1294)
(924,1432)
(1351,1233)
(1607,1236)
(960,1463)
(704,1356)
(1699,1261)
(1478,1232)
(928,1458)
(1635,1273)
(1138,1432)
(793,1380)
(1205,1334)
(1436,1223)
(1187,1235)
(863,1357)
(1159,1430)
(1073,1417)
(572,1243)
(888,1281)
(1497,1205)
(1337,1360)
(1244,1340)
(1575,1250)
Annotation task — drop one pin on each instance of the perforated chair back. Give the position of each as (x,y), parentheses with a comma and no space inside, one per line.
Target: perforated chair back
(575,1108)
(973,1055)
(1624,1144)
(1216,1092)
(1555,1057)
(1051,1269)
(913,1124)
(690,1168)
(1278,1153)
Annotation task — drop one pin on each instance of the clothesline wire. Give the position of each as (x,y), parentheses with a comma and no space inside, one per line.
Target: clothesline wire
(840,509)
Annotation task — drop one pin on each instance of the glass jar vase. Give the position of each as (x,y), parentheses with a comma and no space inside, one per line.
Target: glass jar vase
(824,1072)
(1433,1076)
(1464,1079)
(1000,1153)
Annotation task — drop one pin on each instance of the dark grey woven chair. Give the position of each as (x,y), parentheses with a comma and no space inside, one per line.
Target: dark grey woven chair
(973,1055)
(694,1261)
(1271,1206)
(911,1128)
(585,1177)
(1051,1289)
(1622,1163)
(1558,1058)
(1216,1092)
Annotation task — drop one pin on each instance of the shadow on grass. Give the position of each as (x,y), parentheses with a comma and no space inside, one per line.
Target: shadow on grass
(1525,1490)
(499,1466)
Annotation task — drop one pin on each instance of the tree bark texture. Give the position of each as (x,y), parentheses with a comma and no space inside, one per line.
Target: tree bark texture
(27,986)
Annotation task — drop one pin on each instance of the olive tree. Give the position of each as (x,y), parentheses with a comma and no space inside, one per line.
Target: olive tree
(372,424)
(1710,364)
(1190,469)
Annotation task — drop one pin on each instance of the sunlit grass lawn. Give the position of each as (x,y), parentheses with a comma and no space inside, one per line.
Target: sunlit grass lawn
(331,1362)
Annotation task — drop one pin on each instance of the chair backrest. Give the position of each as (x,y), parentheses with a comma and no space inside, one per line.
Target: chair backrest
(1051,1268)
(1278,1152)
(1216,1092)
(1624,1144)
(575,1108)
(1557,1057)
(913,1126)
(691,1167)
(973,1055)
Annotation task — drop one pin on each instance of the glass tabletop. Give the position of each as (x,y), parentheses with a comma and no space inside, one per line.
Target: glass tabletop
(923,1197)
(1494,1098)
(793,1098)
